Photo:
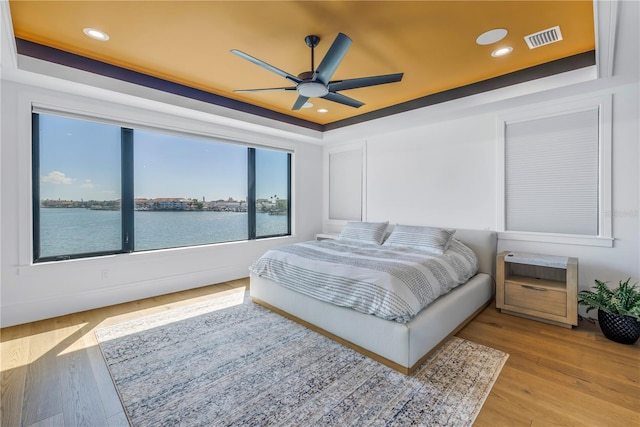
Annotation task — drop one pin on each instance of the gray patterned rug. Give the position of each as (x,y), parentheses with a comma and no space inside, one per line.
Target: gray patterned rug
(220,364)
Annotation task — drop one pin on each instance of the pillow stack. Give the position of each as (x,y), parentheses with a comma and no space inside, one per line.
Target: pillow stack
(431,239)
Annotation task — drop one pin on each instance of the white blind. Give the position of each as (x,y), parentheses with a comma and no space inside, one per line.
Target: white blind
(551,174)
(345,185)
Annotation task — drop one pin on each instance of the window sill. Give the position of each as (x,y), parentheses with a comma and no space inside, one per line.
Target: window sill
(565,239)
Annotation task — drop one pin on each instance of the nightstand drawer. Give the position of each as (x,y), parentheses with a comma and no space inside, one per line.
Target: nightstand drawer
(535,298)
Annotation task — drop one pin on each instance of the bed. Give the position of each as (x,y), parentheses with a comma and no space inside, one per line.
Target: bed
(402,342)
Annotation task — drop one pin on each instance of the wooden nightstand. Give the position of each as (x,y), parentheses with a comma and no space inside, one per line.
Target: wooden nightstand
(539,287)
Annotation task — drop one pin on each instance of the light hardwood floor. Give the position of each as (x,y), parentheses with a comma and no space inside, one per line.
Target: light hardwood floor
(556,376)
(53,373)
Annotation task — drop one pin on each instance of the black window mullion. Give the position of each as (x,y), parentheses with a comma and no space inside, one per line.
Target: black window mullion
(127,203)
(251,192)
(35,179)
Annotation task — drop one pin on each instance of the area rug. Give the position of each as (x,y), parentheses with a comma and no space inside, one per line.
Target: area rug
(231,362)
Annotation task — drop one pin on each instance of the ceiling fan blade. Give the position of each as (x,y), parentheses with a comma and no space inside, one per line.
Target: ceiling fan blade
(332,59)
(341,99)
(269,89)
(266,66)
(300,102)
(364,82)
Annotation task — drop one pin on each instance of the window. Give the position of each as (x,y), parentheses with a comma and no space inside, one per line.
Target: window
(272,193)
(103,189)
(188,191)
(78,188)
(556,179)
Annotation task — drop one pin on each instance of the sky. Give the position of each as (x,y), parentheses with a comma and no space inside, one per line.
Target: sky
(80,160)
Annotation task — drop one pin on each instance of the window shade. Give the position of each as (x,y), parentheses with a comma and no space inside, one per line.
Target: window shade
(345,185)
(551,174)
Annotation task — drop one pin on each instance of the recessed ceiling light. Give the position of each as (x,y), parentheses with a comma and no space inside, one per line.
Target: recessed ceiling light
(502,51)
(307,105)
(96,34)
(491,36)
(322,110)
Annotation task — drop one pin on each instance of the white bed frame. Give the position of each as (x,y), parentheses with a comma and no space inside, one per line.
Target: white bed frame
(401,346)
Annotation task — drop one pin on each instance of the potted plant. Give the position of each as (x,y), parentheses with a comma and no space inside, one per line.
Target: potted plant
(618,310)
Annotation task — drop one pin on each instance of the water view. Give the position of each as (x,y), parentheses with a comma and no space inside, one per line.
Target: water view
(67,231)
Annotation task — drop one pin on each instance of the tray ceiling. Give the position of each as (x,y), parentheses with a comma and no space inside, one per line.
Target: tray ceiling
(433,43)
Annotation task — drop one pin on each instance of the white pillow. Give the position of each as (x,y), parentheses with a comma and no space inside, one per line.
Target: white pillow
(431,239)
(364,232)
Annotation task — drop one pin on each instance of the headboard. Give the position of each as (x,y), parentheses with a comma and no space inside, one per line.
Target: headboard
(485,244)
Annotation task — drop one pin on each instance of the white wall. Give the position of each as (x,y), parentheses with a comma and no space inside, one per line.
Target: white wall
(30,292)
(420,176)
(439,165)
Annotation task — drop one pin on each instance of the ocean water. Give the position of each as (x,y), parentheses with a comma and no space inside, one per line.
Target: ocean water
(67,231)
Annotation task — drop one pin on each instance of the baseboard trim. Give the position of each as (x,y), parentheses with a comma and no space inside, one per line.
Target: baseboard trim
(44,308)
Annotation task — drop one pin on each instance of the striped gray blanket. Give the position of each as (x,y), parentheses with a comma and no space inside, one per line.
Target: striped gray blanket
(389,282)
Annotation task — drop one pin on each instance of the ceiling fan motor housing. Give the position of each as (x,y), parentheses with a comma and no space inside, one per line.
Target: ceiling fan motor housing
(307,75)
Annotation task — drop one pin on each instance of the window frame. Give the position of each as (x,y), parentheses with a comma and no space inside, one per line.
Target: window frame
(550,109)
(127,181)
(35,194)
(252,198)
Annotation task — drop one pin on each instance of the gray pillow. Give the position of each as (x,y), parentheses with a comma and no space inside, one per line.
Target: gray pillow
(364,232)
(432,239)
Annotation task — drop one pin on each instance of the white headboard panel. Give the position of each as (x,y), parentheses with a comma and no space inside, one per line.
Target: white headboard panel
(485,244)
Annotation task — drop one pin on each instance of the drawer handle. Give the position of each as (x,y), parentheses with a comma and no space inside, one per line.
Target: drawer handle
(533,288)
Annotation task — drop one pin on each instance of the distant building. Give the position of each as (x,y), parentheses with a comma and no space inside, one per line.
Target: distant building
(163,204)
(171,204)
(229,205)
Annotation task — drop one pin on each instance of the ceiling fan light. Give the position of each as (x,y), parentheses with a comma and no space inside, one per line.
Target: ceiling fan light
(312,89)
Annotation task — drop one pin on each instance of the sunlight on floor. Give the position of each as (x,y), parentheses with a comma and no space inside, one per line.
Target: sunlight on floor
(174,313)
(39,344)
(21,345)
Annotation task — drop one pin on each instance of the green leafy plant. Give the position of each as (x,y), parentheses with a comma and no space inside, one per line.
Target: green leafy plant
(623,300)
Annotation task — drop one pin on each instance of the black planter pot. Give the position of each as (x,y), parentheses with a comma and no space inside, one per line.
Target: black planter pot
(621,329)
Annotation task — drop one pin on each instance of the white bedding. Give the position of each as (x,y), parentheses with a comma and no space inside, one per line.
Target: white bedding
(390,282)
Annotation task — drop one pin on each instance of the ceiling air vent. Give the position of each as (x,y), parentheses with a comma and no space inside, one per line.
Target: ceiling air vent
(543,37)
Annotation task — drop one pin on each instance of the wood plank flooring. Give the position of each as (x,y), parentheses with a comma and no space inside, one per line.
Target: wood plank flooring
(52,372)
(557,376)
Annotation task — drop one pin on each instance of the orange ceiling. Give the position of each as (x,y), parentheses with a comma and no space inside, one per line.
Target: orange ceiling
(189,42)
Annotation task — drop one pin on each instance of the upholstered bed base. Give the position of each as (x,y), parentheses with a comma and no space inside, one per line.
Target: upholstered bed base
(402,346)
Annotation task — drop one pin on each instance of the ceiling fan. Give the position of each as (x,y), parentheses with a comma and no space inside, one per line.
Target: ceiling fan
(317,82)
